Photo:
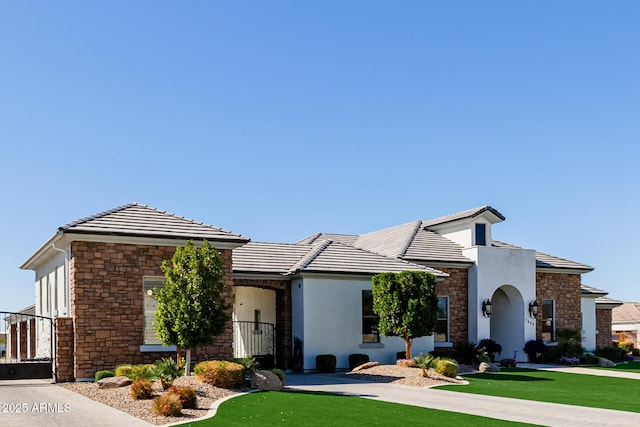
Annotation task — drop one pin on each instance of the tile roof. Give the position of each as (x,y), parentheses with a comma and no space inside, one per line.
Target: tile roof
(392,242)
(589,290)
(349,239)
(325,256)
(138,220)
(429,246)
(470,213)
(549,261)
(628,312)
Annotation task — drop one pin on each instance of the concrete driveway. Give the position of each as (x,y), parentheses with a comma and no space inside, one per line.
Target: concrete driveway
(38,403)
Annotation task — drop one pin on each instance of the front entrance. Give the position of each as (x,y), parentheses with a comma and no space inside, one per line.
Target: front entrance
(507,321)
(26,346)
(254,319)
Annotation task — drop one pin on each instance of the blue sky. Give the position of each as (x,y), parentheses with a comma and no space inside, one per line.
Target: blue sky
(277,119)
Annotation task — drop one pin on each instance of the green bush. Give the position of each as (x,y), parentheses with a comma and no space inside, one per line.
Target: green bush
(220,373)
(467,352)
(446,367)
(103,374)
(612,353)
(166,370)
(326,363)
(424,360)
(188,396)
(123,371)
(357,359)
(141,389)
(635,352)
(280,374)
(142,372)
(627,346)
(249,363)
(589,359)
(167,405)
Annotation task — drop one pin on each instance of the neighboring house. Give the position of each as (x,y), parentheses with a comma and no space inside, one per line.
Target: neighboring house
(626,323)
(596,317)
(97,276)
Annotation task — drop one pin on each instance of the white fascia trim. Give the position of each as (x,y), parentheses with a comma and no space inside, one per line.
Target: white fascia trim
(259,276)
(561,270)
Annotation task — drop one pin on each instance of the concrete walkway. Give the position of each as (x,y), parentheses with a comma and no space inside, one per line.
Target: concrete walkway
(38,403)
(541,413)
(582,370)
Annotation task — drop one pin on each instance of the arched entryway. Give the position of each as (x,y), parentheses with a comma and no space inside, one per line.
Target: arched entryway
(507,321)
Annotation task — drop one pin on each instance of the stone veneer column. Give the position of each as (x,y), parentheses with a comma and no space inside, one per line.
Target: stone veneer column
(456,287)
(64,361)
(604,328)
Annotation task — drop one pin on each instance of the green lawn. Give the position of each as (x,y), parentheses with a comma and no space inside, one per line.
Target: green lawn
(627,367)
(557,387)
(323,409)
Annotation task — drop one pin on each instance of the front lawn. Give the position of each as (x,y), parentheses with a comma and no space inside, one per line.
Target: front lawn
(556,387)
(627,367)
(324,409)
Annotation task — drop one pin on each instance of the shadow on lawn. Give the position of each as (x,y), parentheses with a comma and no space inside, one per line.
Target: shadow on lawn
(509,374)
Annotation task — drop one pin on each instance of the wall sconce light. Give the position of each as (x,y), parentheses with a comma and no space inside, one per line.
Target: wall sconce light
(150,292)
(487,307)
(533,308)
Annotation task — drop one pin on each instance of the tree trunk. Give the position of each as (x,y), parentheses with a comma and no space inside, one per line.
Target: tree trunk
(407,347)
(178,351)
(187,364)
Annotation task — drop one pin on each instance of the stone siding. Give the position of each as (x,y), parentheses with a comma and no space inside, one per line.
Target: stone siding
(283,316)
(107,304)
(64,350)
(564,289)
(603,327)
(456,287)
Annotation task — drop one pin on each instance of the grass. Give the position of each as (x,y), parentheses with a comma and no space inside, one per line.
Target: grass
(556,387)
(324,409)
(627,367)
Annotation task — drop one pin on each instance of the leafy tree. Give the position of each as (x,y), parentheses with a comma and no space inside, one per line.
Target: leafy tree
(407,305)
(191,310)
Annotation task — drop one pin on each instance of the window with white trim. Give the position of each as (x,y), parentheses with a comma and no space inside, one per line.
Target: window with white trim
(369,319)
(149,287)
(442,328)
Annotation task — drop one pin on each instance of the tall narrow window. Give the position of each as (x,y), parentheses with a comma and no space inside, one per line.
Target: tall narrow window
(548,320)
(149,287)
(369,319)
(481,234)
(442,330)
(256,320)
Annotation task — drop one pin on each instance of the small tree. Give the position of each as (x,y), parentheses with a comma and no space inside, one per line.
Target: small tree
(191,310)
(407,305)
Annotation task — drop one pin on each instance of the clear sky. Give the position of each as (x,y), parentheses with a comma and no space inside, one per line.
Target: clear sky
(278,119)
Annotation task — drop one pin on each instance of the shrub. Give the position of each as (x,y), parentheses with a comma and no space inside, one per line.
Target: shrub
(141,389)
(187,395)
(266,361)
(535,349)
(407,363)
(569,344)
(468,353)
(166,370)
(401,355)
(168,405)
(123,371)
(635,352)
(357,359)
(142,372)
(280,374)
(626,346)
(326,363)
(490,347)
(103,374)
(612,353)
(220,373)
(446,367)
(589,359)
(249,363)
(424,361)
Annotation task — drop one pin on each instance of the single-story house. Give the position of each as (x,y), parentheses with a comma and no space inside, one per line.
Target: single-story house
(293,301)
(625,323)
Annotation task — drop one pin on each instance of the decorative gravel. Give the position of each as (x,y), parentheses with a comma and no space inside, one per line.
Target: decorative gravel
(120,398)
(395,374)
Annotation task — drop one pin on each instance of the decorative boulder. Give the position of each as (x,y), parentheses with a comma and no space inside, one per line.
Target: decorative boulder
(605,363)
(488,367)
(365,366)
(266,380)
(114,382)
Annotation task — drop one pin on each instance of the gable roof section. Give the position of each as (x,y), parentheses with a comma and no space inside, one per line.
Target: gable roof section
(429,246)
(549,261)
(392,242)
(626,313)
(138,220)
(470,213)
(326,256)
(348,239)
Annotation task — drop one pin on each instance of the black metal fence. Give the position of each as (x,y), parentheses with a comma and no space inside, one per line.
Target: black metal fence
(255,339)
(26,345)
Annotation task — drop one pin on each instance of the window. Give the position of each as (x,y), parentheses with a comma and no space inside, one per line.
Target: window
(442,329)
(256,321)
(369,319)
(481,234)
(149,285)
(548,320)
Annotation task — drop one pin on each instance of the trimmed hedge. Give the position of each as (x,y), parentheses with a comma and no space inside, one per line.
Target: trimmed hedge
(446,367)
(103,374)
(220,373)
(357,359)
(326,363)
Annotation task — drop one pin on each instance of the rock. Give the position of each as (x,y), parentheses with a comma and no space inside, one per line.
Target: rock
(365,366)
(266,380)
(605,363)
(114,382)
(488,367)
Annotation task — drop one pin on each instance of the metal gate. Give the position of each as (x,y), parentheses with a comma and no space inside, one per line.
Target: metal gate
(27,346)
(255,339)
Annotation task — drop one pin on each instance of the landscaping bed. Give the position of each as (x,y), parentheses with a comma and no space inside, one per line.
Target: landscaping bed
(395,374)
